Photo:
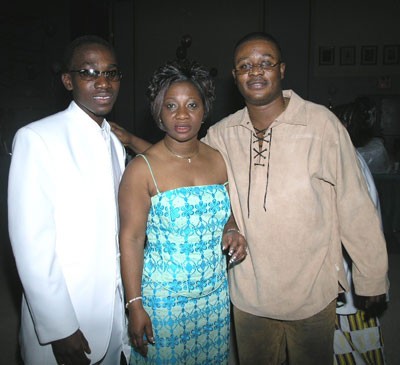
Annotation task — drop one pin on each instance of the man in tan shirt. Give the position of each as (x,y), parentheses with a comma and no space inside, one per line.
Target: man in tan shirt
(297,192)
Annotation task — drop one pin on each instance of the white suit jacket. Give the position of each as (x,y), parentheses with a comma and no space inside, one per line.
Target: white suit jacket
(63,228)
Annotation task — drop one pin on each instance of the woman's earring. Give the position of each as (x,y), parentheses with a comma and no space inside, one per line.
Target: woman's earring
(161,125)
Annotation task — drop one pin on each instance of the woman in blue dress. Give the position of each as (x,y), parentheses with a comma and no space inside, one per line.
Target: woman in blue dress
(174,209)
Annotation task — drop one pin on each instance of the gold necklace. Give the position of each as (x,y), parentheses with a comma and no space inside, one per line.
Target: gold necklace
(189,158)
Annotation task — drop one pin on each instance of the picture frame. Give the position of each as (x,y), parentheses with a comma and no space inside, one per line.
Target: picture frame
(390,55)
(369,55)
(348,55)
(326,55)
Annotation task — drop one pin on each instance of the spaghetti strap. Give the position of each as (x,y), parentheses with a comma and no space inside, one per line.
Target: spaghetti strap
(151,171)
(226,183)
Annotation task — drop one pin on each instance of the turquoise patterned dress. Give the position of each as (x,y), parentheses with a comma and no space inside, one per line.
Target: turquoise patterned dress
(184,285)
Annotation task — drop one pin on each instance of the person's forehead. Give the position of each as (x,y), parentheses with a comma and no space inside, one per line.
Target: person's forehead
(256,45)
(186,85)
(89,49)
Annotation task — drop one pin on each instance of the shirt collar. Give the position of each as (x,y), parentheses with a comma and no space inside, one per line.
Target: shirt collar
(85,120)
(105,127)
(295,113)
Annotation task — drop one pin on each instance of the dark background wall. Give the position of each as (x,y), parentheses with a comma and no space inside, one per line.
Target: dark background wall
(313,34)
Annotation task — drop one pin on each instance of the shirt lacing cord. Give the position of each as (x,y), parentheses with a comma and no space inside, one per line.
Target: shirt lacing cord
(259,155)
(259,159)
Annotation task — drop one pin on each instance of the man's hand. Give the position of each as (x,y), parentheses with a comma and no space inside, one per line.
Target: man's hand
(373,306)
(71,350)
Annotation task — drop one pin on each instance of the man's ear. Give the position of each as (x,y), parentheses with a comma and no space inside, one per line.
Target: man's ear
(282,68)
(234,75)
(66,80)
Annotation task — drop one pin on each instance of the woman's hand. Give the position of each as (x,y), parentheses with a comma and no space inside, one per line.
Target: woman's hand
(140,330)
(135,143)
(122,134)
(235,244)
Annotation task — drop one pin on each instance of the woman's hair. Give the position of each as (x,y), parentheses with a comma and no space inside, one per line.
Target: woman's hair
(79,42)
(179,71)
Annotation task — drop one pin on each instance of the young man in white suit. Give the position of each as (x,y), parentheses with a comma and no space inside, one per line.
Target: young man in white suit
(63,221)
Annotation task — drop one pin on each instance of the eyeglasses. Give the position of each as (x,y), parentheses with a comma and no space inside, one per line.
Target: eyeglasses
(246,68)
(91,74)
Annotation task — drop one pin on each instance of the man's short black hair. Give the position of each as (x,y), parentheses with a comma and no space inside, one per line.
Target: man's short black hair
(256,36)
(79,42)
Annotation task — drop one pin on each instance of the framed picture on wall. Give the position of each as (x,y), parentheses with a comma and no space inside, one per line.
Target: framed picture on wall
(326,55)
(391,54)
(348,55)
(369,55)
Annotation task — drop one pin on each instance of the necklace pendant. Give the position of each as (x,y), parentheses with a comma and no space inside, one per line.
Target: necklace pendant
(188,158)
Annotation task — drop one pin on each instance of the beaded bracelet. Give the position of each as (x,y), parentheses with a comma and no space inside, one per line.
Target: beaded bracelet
(131,301)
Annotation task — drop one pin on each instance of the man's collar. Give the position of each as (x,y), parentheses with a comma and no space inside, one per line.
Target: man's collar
(293,114)
(74,107)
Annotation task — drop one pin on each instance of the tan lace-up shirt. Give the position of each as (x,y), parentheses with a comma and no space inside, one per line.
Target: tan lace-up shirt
(296,199)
